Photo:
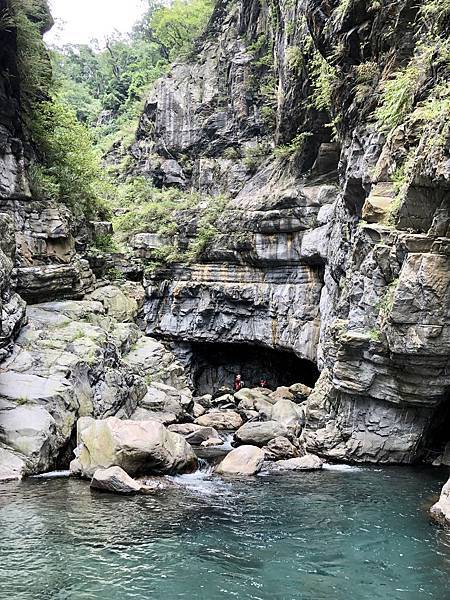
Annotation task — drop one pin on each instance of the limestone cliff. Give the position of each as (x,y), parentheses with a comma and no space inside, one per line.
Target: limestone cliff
(334,247)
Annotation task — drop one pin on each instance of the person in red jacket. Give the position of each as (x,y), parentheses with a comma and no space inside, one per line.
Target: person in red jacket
(238,383)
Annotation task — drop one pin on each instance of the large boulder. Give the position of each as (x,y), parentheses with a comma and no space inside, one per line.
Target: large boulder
(253,400)
(260,433)
(139,447)
(29,431)
(224,402)
(11,466)
(220,419)
(300,391)
(163,403)
(281,393)
(440,512)
(288,413)
(245,460)
(202,435)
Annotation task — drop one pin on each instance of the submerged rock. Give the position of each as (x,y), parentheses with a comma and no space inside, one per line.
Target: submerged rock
(440,512)
(260,433)
(139,447)
(245,460)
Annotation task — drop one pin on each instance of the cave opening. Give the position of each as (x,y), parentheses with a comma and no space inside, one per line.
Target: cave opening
(438,433)
(215,365)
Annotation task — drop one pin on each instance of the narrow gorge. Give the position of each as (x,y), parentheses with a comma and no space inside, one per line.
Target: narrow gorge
(279,215)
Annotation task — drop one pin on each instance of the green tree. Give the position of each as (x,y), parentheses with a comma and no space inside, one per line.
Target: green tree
(69,169)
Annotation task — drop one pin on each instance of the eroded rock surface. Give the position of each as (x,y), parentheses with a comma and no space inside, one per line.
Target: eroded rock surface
(74,359)
(138,447)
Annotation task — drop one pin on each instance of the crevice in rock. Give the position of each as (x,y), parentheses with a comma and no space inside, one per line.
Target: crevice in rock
(66,455)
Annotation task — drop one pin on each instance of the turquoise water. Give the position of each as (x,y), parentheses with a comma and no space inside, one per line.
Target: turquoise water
(359,534)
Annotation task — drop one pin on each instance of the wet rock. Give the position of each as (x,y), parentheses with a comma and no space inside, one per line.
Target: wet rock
(440,512)
(224,419)
(260,433)
(211,442)
(245,460)
(202,435)
(309,462)
(116,480)
(139,447)
(12,467)
(280,448)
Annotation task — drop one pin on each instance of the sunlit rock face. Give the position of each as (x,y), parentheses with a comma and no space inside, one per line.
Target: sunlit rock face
(309,258)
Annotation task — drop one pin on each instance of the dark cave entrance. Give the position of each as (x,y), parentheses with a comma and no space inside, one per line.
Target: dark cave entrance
(437,435)
(215,365)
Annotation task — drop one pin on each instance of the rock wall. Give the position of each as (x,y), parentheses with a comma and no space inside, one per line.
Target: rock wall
(317,252)
(47,265)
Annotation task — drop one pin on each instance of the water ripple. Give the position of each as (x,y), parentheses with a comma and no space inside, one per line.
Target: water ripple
(360,533)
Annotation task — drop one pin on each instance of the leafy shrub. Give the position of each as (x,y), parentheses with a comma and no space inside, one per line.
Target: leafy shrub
(69,169)
(294,59)
(105,243)
(323,81)
(296,145)
(398,95)
(435,13)
(150,209)
(33,63)
(254,155)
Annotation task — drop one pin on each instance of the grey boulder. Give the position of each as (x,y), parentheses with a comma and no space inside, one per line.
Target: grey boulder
(245,460)
(260,433)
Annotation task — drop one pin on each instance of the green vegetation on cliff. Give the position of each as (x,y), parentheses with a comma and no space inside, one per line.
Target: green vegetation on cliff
(79,101)
(107,86)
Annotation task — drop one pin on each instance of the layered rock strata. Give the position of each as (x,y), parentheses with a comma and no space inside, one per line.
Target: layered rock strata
(316,251)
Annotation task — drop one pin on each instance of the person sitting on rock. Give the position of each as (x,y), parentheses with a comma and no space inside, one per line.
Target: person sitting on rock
(238,383)
(263,383)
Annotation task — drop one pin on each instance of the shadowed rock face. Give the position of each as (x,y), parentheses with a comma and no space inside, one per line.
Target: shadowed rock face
(213,366)
(307,260)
